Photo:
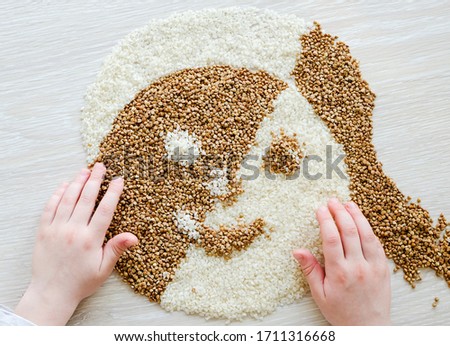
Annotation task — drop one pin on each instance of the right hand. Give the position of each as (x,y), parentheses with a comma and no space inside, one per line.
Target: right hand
(354,287)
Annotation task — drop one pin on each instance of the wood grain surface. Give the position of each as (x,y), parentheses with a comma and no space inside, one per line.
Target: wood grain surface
(50,51)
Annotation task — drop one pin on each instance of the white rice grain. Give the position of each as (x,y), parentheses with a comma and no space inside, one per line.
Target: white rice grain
(182,147)
(218,185)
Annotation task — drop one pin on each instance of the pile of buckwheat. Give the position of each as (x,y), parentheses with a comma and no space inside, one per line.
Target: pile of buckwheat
(328,76)
(284,155)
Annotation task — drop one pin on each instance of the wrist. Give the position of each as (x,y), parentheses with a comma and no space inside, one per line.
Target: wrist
(46,306)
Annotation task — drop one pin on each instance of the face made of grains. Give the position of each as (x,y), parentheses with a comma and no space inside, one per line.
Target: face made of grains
(211,158)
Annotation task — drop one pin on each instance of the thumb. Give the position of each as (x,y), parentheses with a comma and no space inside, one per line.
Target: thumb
(312,270)
(114,248)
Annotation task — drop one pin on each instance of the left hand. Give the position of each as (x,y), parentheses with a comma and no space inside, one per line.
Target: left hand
(70,261)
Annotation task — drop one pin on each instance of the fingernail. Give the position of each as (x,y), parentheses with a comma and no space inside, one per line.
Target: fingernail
(334,200)
(130,243)
(99,165)
(322,209)
(351,205)
(298,256)
(116,177)
(85,171)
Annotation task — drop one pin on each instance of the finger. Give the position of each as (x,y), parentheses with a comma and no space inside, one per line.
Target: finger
(313,272)
(70,197)
(86,203)
(113,249)
(103,215)
(369,242)
(331,240)
(347,229)
(52,205)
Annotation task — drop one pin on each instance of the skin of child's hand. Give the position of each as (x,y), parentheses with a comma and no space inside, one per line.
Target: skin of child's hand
(353,288)
(70,259)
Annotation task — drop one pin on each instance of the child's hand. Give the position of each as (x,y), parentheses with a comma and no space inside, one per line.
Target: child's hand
(70,261)
(354,288)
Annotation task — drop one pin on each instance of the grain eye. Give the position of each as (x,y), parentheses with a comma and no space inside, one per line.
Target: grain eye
(284,155)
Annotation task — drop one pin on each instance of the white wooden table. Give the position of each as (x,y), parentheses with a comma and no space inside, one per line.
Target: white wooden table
(50,51)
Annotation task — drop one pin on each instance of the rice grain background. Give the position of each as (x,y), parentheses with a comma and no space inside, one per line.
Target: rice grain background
(51,52)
